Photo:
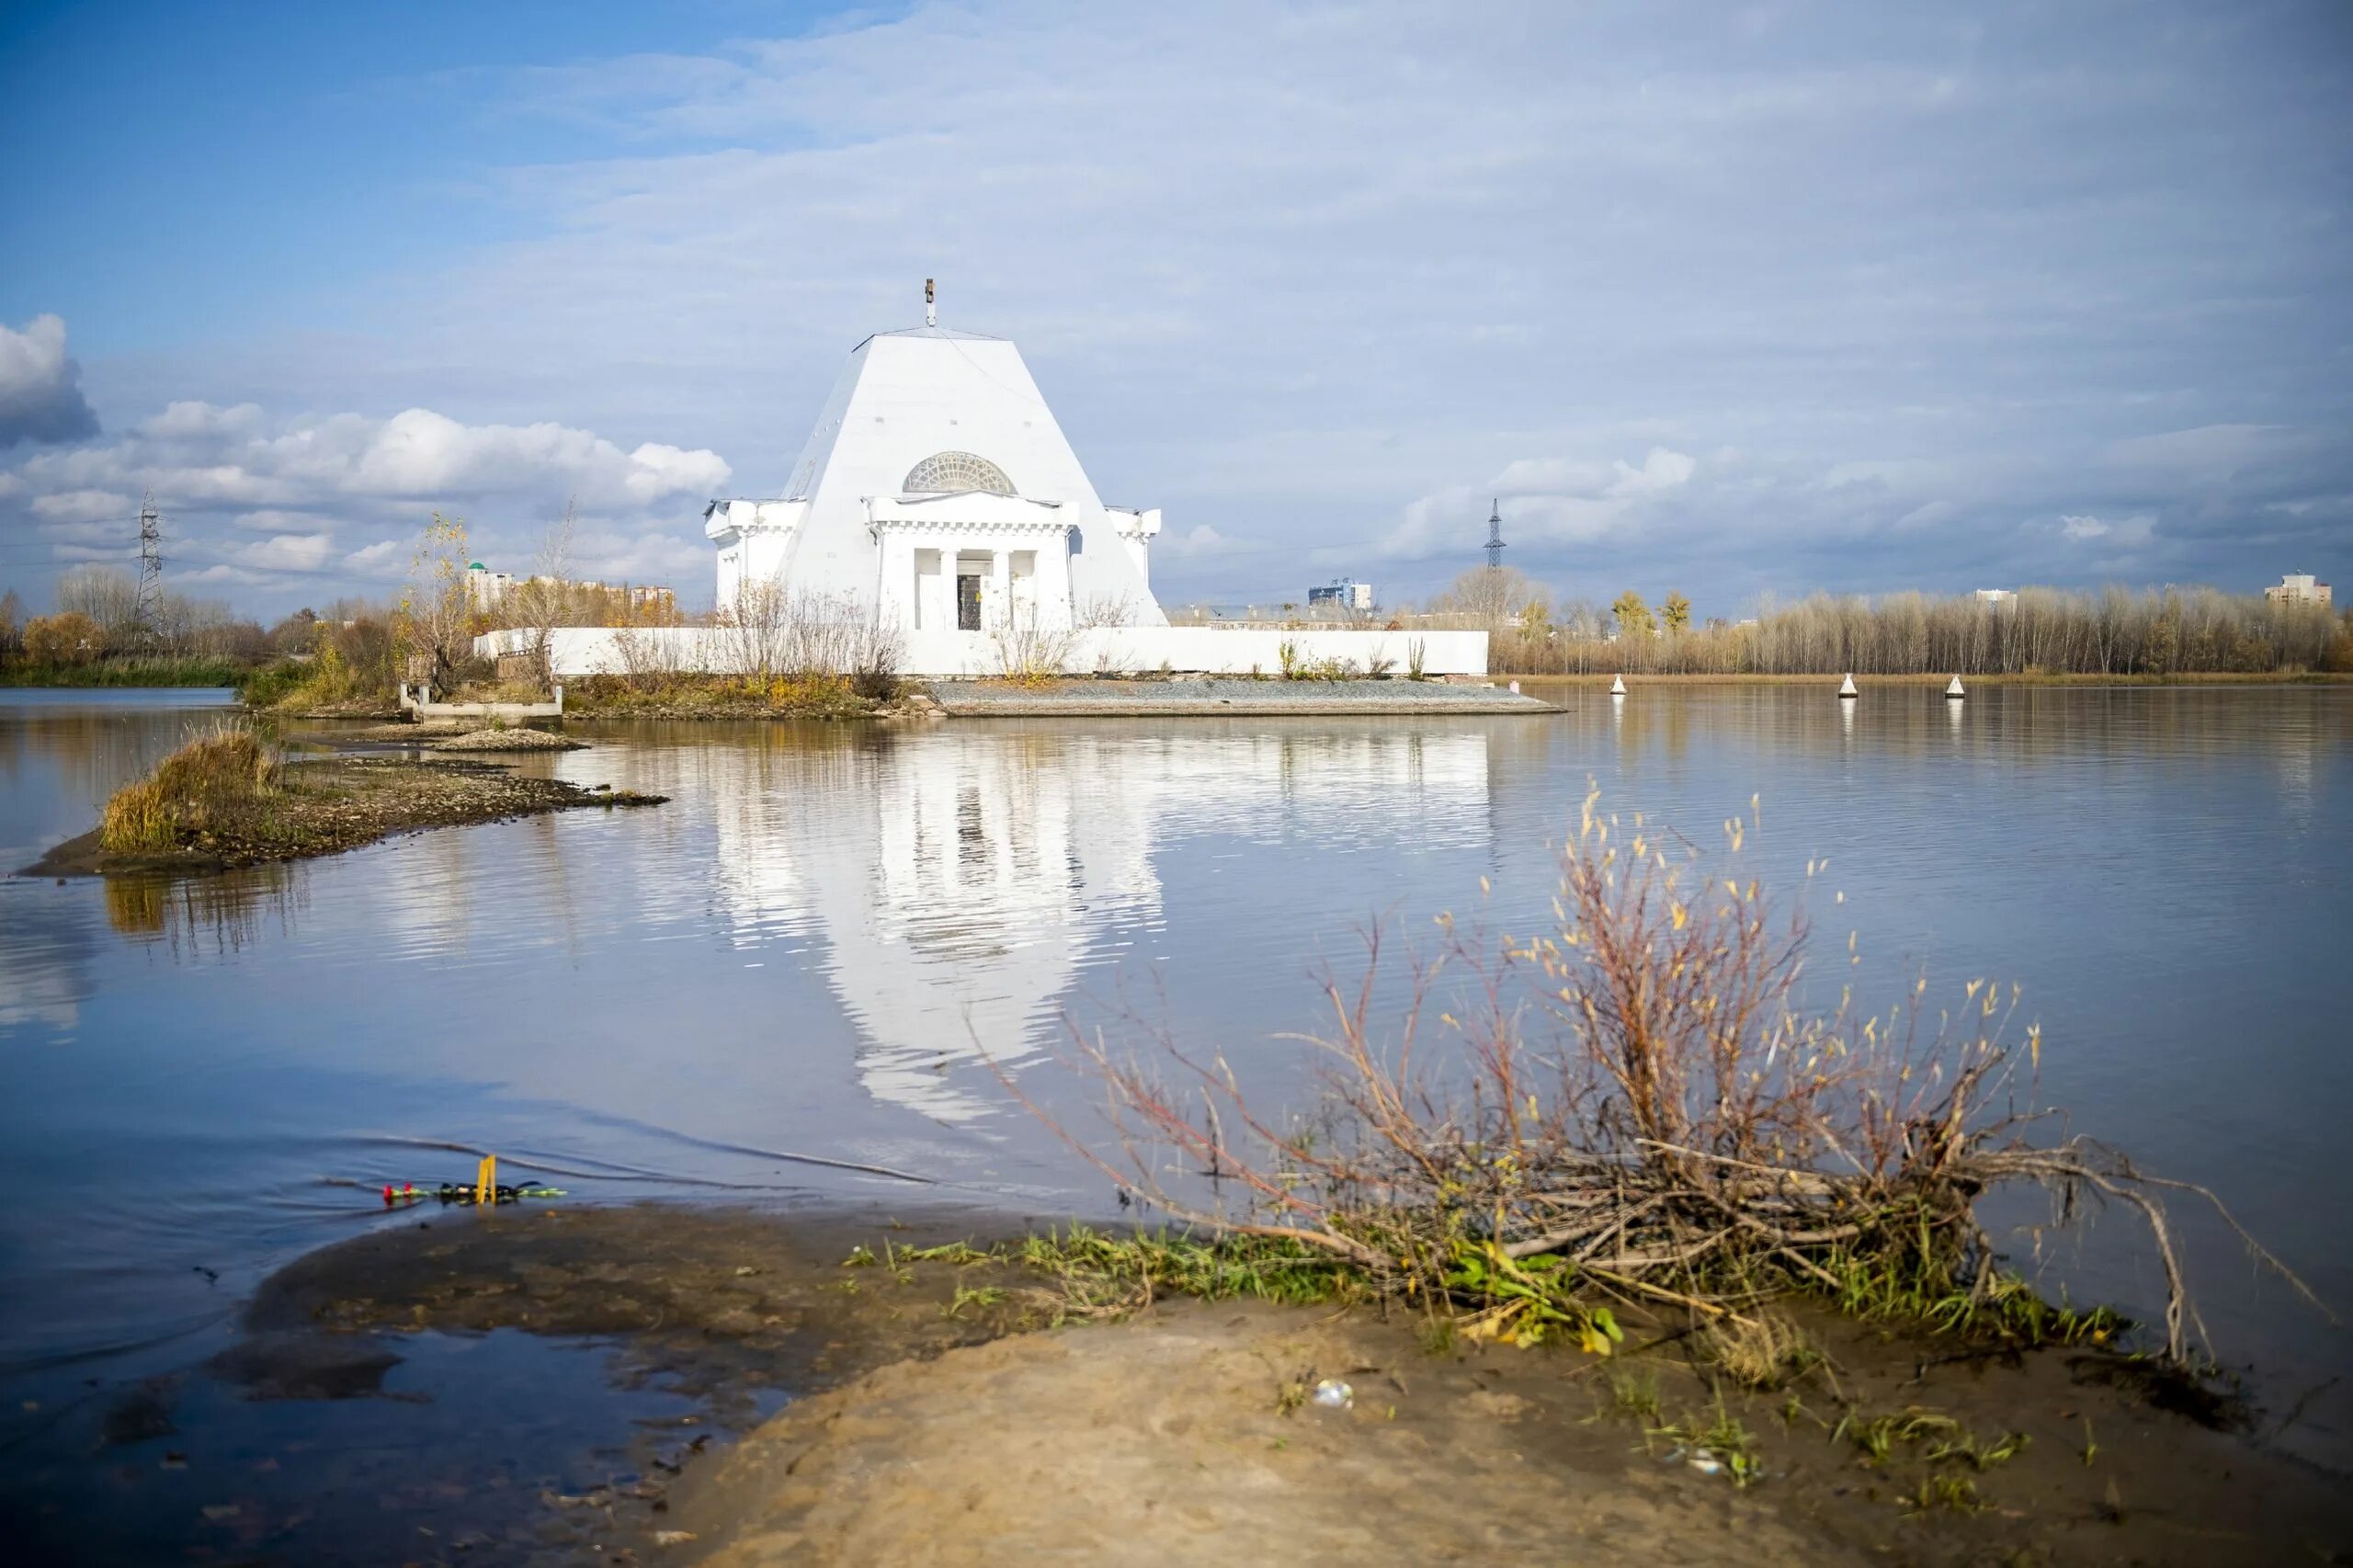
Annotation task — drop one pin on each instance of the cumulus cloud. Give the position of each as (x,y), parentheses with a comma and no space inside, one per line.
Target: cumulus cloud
(224,473)
(40,386)
(1544,501)
(1662,469)
(1198,541)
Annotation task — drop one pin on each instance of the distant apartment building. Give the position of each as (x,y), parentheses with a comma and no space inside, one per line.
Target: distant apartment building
(1342,594)
(2298,588)
(486,590)
(1997,599)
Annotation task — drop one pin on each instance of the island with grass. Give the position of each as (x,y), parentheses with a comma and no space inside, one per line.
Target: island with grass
(231,799)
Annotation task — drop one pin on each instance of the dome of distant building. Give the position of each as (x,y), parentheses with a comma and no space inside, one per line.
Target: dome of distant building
(956,473)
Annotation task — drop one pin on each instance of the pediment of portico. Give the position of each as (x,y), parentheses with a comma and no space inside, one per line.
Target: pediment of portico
(971,511)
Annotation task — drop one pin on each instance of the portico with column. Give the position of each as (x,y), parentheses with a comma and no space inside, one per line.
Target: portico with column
(973,561)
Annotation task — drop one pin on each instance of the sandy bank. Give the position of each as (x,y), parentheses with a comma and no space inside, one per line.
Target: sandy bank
(1166,1441)
(929,1427)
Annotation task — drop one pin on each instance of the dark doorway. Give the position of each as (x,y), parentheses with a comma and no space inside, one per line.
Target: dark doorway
(968,603)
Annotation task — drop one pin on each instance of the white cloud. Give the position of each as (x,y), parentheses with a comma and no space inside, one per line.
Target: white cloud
(189,420)
(82,506)
(274,522)
(223,471)
(285,552)
(657,470)
(1198,541)
(1547,501)
(1662,469)
(41,392)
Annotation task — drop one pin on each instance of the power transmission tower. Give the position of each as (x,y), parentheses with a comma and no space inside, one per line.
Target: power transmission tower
(150,566)
(1494,545)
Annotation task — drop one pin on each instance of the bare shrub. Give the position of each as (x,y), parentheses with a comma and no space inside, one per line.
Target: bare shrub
(1635,1104)
(68,637)
(770,630)
(1029,651)
(646,656)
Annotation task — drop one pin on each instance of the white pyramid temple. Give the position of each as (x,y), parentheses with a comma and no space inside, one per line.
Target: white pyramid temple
(938,492)
(939,500)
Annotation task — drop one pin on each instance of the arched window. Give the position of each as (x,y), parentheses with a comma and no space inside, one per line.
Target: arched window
(951,473)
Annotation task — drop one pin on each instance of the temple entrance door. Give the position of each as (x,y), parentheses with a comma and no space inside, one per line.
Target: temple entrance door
(968,602)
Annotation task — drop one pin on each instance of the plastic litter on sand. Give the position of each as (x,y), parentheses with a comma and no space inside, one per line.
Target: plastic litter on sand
(1334,1394)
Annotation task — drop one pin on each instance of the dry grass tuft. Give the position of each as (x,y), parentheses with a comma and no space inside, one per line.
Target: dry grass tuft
(211,783)
(1761,1349)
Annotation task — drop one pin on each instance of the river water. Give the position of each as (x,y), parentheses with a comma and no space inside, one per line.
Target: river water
(818,947)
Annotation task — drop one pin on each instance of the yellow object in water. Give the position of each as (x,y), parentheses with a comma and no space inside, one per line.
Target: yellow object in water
(486,1180)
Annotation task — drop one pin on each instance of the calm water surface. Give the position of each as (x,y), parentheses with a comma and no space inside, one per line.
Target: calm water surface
(809,951)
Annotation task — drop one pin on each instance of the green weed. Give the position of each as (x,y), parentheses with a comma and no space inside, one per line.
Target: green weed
(1722,1436)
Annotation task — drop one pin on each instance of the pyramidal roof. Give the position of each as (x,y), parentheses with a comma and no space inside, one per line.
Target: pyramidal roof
(923,392)
(947,333)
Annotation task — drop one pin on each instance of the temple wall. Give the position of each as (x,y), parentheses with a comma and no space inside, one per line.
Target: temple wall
(578,650)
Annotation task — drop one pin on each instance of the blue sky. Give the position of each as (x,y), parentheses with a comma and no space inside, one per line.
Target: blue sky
(1739,301)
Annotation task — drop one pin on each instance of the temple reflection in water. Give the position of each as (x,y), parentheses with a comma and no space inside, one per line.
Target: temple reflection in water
(961,880)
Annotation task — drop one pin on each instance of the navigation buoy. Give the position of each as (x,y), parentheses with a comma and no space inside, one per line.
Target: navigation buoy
(1618,686)
(1954,689)
(1846,687)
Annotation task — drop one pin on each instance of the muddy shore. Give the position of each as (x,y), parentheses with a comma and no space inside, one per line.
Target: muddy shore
(928,1417)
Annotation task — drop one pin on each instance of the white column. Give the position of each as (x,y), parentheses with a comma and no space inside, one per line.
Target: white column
(1000,606)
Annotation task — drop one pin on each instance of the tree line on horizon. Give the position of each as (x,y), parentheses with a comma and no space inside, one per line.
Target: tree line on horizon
(2113,630)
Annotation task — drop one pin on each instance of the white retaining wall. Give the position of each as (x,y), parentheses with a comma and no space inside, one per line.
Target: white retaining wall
(1214,650)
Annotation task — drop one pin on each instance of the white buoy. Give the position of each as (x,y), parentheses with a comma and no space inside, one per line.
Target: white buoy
(1618,686)
(1515,689)
(1954,689)
(1846,687)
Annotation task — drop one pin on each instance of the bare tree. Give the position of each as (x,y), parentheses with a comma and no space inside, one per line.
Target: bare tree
(108,596)
(540,604)
(1494,597)
(433,620)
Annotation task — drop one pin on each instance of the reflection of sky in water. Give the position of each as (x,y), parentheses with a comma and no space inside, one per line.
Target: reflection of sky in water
(812,949)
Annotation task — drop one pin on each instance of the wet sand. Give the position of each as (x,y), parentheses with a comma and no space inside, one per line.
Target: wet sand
(1166,1440)
(919,1428)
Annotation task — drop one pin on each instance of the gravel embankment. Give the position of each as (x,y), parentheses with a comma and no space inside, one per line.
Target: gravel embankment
(507,740)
